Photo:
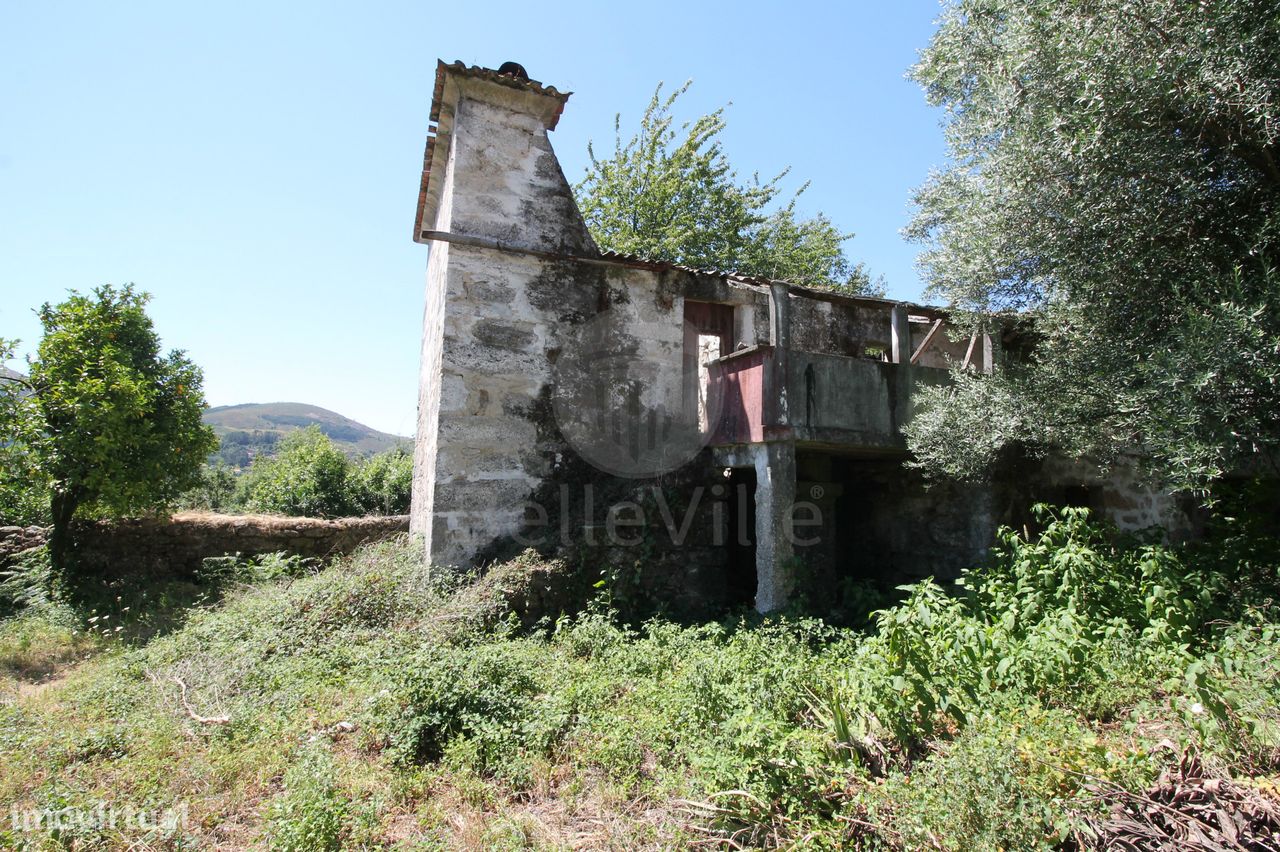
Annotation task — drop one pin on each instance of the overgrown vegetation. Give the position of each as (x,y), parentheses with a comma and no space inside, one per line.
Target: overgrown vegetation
(310,477)
(378,702)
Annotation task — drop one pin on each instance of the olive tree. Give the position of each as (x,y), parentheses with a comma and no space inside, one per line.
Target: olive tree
(1115,171)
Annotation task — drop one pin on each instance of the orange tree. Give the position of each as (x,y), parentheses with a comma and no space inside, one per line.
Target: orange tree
(109,424)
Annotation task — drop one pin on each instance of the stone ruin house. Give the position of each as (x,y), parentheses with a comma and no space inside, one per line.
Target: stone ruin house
(723,438)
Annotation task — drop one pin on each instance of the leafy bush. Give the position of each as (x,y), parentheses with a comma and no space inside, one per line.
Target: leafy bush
(25,582)
(1016,778)
(1231,695)
(488,696)
(307,477)
(24,498)
(1074,617)
(311,477)
(311,811)
(382,484)
(216,492)
(220,570)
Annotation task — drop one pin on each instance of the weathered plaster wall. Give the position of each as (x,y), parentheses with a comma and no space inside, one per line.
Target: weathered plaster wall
(505,324)
(429,390)
(838,328)
(856,400)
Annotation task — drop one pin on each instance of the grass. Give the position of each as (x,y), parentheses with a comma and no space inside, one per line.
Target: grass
(378,704)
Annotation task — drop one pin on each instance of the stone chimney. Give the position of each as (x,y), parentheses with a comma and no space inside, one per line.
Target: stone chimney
(489,172)
(499,218)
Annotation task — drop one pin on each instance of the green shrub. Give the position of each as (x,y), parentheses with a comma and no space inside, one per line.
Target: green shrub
(310,814)
(24,495)
(217,492)
(26,582)
(1073,616)
(1230,696)
(217,571)
(487,695)
(1019,777)
(308,477)
(381,485)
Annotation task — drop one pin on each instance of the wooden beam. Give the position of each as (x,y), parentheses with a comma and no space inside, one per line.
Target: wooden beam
(968,353)
(927,342)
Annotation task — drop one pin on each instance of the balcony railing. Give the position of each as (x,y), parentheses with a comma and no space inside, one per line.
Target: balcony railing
(768,393)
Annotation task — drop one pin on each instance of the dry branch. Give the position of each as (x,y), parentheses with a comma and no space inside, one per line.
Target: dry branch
(203,720)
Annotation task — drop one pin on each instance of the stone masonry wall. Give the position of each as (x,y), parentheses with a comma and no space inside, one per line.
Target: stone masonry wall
(179,544)
(14,540)
(1121,496)
(510,320)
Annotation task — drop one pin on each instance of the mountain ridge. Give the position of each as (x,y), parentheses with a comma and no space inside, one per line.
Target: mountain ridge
(253,428)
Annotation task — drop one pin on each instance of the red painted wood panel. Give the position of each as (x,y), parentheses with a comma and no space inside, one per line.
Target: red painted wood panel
(739,382)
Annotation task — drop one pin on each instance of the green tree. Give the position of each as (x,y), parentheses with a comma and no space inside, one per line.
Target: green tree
(24,495)
(110,425)
(669,194)
(215,492)
(382,484)
(1115,169)
(308,477)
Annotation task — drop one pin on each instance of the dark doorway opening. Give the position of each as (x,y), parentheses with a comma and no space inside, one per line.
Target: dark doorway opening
(1082,497)
(741,573)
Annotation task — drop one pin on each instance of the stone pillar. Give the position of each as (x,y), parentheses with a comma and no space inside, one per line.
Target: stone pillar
(775,465)
(990,352)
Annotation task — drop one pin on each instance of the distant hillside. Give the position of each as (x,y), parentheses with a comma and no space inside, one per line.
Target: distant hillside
(13,375)
(253,429)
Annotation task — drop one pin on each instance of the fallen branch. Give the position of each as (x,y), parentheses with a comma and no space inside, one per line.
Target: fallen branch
(203,720)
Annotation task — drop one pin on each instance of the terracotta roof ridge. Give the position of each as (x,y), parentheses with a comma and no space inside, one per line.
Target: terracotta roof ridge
(479,72)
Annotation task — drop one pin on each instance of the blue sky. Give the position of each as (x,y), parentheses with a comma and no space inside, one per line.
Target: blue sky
(255,166)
